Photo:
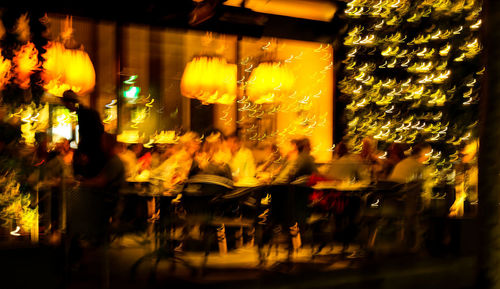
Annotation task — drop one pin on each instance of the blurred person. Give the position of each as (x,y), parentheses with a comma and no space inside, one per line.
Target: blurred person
(299,161)
(64,148)
(395,154)
(92,210)
(129,159)
(94,203)
(212,159)
(242,161)
(271,158)
(177,167)
(466,181)
(54,178)
(88,158)
(413,167)
(370,155)
(416,194)
(345,166)
(156,153)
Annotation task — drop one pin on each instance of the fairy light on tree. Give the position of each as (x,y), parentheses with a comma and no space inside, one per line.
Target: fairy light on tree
(411,73)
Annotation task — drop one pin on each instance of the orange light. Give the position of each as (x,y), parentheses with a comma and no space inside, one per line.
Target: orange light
(269,82)
(65,69)
(25,64)
(306,9)
(210,80)
(5,66)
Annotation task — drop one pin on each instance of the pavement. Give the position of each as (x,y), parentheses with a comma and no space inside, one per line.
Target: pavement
(42,266)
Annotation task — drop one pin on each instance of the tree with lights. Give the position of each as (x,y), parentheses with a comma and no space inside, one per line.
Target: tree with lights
(411,73)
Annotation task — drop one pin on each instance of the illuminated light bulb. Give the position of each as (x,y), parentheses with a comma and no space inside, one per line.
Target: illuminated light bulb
(446,34)
(445,50)
(468,102)
(468,93)
(379,26)
(426,79)
(360,77)
(459,30)
(442,77)
(430,53)
(358,12)
(388,51)
(442,66)
(437,35)
(422,53)
(407,82)
(390,110)
(399,139)
(351,66)
(414,18)
(389,83)
(402,54)
(369,39)
(392,64)
(394,21)
(471,84)
(476,25)
(16,232)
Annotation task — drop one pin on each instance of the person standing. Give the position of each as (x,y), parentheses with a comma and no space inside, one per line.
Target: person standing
(88,159)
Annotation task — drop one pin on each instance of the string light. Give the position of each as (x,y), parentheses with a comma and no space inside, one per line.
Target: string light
(427,79)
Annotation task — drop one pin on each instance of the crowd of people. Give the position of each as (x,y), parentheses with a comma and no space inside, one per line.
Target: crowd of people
(100,166)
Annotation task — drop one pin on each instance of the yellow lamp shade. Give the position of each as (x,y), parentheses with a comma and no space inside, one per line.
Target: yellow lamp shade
(65,69)
(269,82)
(210,80)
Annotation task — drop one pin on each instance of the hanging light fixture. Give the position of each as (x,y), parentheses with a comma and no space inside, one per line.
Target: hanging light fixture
(269,82)
(65,68)
(209,79)
(25,64)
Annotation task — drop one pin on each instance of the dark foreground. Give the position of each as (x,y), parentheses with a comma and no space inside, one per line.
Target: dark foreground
(43,267)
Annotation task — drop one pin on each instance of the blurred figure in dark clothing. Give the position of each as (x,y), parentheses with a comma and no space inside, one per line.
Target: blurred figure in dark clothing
(92,207)
(88,158)
(100,192)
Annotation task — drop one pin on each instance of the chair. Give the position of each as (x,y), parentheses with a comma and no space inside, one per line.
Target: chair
(287,211)
(204,207)
(398,210)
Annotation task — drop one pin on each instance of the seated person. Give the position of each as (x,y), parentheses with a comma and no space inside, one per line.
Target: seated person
(395,153)
(412,168)
(128,158)
(212,159)
(347,167)
(269,161)
(299,162)
(242,163)
(176,168)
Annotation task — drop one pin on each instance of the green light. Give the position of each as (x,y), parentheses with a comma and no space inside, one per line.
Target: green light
(131,80)
(132,92)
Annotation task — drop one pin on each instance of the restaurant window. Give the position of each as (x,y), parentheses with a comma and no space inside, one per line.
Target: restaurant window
(139,70)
